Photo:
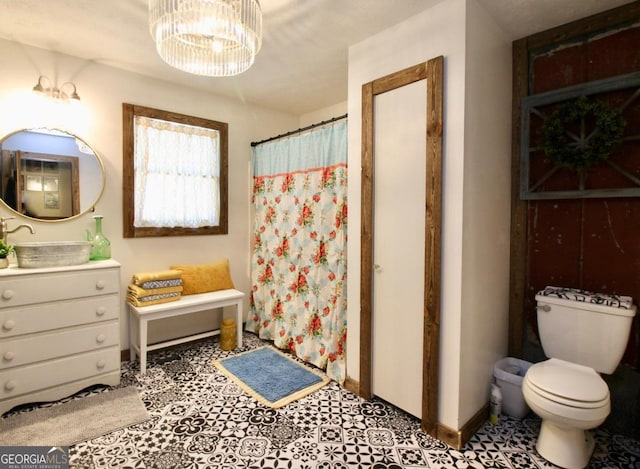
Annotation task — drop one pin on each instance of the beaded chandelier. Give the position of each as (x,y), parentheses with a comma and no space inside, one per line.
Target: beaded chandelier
(216,38)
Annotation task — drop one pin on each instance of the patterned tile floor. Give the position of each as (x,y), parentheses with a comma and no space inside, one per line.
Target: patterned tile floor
(200,419)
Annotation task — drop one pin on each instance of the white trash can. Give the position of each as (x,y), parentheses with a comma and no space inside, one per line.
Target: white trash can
(509,373)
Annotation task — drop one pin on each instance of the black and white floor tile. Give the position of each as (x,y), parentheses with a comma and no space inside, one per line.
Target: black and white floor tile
(200,419)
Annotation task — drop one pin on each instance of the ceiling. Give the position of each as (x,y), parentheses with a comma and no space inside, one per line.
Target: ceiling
(302,65)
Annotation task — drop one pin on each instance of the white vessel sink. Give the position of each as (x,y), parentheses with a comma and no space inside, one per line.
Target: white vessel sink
(32,255)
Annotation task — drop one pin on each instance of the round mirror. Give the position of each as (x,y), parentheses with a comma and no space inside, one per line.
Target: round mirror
(49,174)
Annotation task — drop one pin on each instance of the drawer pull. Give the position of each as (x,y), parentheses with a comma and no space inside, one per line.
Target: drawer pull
(8,356)
(101,311)
(9,324)
(100,284)
(101,364)
(100,338)
(10,385)
(7,294)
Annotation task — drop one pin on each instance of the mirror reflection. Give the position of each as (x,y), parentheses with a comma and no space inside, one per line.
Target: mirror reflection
(49,174)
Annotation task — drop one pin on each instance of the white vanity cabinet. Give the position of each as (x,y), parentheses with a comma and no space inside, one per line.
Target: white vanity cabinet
(59,331)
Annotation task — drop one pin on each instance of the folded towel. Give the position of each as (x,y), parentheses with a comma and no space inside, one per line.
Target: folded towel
(162,283)
(145,278)
(139,292)
(153,299)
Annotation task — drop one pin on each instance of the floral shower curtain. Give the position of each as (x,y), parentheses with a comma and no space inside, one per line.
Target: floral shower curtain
(298,266)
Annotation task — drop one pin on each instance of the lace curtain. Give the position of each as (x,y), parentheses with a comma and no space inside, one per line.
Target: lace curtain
(298,267)
(170,191)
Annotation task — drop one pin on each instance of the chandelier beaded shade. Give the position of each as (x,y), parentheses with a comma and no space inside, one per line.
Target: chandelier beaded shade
(216,38)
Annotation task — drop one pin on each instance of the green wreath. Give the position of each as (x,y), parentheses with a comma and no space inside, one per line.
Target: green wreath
(581,133)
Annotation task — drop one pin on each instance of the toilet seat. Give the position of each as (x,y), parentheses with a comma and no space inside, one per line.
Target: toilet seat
(568,384)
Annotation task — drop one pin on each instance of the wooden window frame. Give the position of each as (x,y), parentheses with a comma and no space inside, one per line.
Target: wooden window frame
(129,112)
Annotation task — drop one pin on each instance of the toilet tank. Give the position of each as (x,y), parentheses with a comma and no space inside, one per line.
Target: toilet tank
(582,327)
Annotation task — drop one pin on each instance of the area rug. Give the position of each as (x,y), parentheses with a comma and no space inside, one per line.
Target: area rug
(74,421)
(271,377)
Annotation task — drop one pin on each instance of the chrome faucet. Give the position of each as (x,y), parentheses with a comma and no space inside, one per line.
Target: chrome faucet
(4,231)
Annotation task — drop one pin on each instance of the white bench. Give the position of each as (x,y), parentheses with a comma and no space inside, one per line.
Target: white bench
(139,317)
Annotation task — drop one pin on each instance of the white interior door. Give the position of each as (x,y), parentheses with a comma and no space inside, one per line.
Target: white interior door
(398,251)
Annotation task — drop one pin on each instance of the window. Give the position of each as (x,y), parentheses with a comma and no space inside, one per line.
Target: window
(174,174)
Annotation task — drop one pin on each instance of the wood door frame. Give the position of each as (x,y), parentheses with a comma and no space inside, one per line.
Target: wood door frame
(432,72)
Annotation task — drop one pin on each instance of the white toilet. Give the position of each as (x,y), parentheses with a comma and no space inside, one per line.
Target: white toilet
(583,334)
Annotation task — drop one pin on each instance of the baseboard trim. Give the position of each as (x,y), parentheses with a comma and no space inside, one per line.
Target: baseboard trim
(459,438)
(125,355)
(455,438)
(475,423)
(352,385)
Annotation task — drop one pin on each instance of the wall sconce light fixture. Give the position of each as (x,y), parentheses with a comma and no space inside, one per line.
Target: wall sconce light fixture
(65,92)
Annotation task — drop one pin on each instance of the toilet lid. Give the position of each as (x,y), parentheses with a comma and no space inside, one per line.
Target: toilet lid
(564,381)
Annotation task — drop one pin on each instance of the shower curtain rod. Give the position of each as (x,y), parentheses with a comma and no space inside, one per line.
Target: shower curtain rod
(303,129)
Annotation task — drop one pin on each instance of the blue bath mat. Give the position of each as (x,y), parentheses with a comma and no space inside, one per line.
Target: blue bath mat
(271,377)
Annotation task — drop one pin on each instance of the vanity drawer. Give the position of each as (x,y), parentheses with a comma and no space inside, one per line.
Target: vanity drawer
(44,317)
(25,379)
(39,347)
(39,288)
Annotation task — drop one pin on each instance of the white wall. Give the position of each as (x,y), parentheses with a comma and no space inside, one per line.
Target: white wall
(487,202)
(447,29)
(99,122)
(323,114)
